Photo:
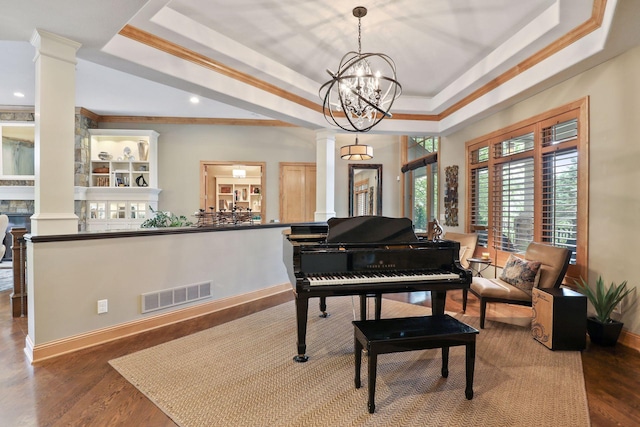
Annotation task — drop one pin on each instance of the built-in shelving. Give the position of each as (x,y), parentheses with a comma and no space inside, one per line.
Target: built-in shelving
(123,178)
(241,193)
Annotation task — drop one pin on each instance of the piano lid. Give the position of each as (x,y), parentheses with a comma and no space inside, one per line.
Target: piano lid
(370,229)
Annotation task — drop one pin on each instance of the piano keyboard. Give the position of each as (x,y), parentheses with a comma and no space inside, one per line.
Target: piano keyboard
(378,277)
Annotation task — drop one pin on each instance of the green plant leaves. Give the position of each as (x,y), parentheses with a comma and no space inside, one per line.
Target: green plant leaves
(165,219)
(604,300)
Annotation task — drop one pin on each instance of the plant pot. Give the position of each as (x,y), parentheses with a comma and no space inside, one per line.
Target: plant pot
(605,334)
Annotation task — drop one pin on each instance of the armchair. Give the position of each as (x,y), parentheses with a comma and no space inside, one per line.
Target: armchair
(468,242)
(552,263)
(4,223)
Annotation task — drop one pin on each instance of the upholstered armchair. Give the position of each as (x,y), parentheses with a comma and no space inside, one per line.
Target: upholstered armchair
(468,242)
(4,223)
(543,266)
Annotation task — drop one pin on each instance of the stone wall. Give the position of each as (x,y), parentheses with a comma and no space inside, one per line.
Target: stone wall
(81,165)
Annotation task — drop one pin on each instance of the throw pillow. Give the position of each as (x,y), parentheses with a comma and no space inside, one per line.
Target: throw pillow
(520,273)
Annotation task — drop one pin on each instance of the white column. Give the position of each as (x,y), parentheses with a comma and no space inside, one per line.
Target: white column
(55,63)
(325,175)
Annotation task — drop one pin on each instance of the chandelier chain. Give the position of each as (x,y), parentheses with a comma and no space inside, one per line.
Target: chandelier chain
(359,37)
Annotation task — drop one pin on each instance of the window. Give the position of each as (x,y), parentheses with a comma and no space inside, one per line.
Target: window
(17,154)
(525,185)
(421,180)
(361,189)
(512,191)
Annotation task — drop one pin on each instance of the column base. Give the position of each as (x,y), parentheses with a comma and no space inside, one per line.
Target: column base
(18,304)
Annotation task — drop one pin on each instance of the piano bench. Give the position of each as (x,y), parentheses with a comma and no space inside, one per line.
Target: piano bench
(408,334)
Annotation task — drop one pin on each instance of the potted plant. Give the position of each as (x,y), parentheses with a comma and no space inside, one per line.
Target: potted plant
(165,219)
(602,328)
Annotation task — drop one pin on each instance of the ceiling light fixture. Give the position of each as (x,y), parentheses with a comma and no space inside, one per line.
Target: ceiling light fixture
(239,173)
(194,100)
(356,98)
(356,152)
(18,94)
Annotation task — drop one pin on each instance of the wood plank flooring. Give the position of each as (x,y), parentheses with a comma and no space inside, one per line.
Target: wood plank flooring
(81,389)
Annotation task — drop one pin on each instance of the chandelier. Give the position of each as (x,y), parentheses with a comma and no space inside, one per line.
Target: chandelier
(357,98)
(356,152)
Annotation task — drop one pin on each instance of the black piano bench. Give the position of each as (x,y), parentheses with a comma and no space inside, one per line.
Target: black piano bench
(412,333)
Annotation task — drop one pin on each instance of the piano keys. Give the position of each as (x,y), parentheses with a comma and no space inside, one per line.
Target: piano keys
(368,255)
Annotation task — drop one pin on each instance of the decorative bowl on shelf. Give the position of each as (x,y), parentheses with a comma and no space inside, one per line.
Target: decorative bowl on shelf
(101,170)
(103,155)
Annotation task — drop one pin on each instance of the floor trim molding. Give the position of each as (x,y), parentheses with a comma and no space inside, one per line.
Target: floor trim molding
(249,303)
(630,340)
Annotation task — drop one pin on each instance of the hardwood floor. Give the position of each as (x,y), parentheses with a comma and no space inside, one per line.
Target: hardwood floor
(81,389)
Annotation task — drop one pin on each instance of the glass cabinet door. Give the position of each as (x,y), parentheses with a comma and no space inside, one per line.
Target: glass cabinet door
(98,210)
(138,210)
(117,210)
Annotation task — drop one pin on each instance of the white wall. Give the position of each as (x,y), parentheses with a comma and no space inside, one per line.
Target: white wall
(67,278)
(614,172)
(182,147)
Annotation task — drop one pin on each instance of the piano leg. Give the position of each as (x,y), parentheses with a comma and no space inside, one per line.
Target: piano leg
(438,299)
(378,306)
(302,310)
(323,307)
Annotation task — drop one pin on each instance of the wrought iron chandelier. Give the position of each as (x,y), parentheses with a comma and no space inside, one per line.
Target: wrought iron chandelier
(357,98)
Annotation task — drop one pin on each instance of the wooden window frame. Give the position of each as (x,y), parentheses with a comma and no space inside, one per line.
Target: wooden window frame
(580,111)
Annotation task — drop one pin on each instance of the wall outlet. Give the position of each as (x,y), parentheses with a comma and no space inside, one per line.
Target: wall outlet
(103,306)
(618,309)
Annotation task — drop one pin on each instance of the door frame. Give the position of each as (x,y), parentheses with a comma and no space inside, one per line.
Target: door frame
(263,178)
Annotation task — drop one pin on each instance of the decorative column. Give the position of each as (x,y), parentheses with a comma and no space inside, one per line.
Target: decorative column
(325,175)
(55,63)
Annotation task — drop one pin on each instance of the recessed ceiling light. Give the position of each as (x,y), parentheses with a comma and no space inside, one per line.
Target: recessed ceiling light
(194,99)
(18,94)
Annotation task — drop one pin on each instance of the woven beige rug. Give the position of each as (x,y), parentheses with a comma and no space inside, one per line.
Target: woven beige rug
(242,374)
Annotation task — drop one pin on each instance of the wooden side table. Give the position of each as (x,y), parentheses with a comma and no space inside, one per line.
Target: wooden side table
(559,319)
(412,333)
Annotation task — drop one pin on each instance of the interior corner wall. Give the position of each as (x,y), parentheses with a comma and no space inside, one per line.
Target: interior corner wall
(613,89)
(182,147)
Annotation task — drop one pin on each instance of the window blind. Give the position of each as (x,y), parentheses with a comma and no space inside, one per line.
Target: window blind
(479,217)
(560,188)
(513,204)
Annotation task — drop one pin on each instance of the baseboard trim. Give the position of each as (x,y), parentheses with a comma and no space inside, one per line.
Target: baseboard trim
(48,350)
(630,339)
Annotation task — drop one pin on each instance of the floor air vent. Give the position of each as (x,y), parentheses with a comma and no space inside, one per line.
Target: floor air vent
(175,296)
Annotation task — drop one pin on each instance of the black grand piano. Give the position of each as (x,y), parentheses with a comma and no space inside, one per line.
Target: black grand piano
(367,256)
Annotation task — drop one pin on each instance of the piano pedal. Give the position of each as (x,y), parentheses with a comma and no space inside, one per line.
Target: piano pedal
(324,314)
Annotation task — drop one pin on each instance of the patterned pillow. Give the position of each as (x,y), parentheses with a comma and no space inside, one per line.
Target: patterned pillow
(520,273)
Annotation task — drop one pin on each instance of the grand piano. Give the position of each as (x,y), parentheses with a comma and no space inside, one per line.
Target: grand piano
(367,256)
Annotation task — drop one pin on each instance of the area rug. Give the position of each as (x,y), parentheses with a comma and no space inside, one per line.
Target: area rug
(6,279)
(242,374)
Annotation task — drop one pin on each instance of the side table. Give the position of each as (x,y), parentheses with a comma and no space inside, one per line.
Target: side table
(483,263)
(559,319)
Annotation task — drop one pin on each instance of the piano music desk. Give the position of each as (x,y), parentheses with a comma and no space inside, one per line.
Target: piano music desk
(408,334)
